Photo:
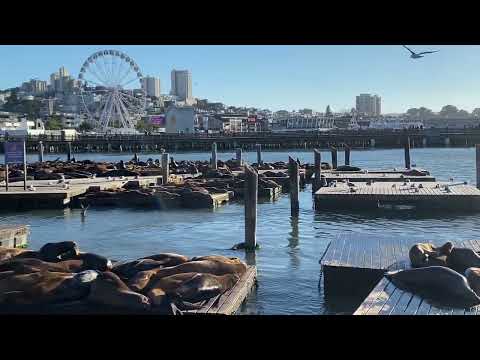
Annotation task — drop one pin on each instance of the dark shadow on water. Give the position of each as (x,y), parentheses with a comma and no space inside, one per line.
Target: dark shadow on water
(293,240)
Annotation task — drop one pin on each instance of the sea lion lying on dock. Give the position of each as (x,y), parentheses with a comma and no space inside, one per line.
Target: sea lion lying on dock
(53,252)
(44,287)
(27,266)
(130,269)
(9,253)
(460,259)
(473,277)
(425,254)
(437,283)
(190,287)
(109,289)
(219,266)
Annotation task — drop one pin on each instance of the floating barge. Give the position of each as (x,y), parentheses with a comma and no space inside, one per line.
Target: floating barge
(426,195)
(354,264)
(52,194)
(375,177)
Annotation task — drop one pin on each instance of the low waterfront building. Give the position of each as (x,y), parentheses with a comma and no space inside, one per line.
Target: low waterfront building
(451,123)
(180,119)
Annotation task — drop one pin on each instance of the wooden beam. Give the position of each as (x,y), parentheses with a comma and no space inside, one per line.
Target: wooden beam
(318,170)
(294,186)
(251,197)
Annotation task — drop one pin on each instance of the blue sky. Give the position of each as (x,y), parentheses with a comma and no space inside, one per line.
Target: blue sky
(283,77)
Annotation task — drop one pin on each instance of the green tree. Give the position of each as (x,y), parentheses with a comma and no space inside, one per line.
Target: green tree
(476,112)
(449,111)
(12,102)
(413,112)
(85,126)
(54,123)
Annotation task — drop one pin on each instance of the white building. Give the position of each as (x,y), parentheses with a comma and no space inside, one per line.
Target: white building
(151,85)
(368,104)
(181,85)
(180,120)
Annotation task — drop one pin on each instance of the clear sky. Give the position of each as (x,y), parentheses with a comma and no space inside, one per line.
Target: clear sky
(283,77)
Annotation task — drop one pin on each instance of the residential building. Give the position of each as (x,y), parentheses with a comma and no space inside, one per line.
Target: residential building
(181,85)
(369,105)
(151,85)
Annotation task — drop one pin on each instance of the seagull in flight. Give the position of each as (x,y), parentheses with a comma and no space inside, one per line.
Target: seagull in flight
(415,55)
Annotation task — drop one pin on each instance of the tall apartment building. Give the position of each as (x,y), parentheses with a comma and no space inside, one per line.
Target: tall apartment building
(368,104)
(181,84)
(151,86)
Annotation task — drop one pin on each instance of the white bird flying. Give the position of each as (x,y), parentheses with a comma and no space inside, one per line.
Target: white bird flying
(415,55)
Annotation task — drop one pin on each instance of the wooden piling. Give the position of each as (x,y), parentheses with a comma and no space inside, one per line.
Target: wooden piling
(318,170)
(165,169)
(347,155)
(214,156)
(251,196)
(294,186)
(334,157)
(259,154)
(40,151)
(407,153)
(477,162)
(239,157)
(69,151)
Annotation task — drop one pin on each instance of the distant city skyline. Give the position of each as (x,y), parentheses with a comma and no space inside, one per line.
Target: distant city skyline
(282,77)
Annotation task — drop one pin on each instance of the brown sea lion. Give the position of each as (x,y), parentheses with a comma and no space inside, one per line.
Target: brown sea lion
(9,253)
(460,259)
(25,266)
(44,287)
(473,277)
(231,260)
(190,287)
(425,254)
(437,283)
(58,251)
(130,269)
(93,261)
(168,259)
(215,267)
(109,289)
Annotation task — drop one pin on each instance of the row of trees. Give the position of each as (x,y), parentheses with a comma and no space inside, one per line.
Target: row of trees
(448,111)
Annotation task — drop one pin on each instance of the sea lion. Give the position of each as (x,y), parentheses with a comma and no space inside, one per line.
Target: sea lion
(44,287)
(190,287)
(26,266)
(232,260)
(437,283)
(109,289)
(93,261)
(473,277)
(216,267)
(130,269)
(58,251)
(460,259)
(425,254)
(9,253)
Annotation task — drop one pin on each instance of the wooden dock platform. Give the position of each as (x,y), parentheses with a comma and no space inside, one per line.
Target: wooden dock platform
(229,302)
(51,194)
(432,196)
(13,236)
(387,299)
(375,177)
(354,262)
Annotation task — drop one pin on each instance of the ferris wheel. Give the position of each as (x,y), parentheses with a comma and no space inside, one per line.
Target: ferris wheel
(112,90)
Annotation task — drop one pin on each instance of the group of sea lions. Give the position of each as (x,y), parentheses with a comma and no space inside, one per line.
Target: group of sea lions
(60,273)
(447,275)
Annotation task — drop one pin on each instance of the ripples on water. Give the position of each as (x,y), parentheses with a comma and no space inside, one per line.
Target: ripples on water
(288,268)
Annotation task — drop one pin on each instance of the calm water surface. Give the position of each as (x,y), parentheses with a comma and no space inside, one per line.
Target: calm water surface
(288,268)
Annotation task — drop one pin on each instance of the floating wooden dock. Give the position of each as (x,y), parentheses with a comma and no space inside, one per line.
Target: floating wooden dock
(354,264)
(13,236)
(230,302)
(52,194)
(375,177)
(386,299)
(430,196)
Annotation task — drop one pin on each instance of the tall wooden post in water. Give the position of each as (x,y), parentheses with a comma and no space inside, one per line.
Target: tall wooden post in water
(165,169)
(407,153)
(69,151)
(40,151)
(259,154)
(214,156)
(334,157)
(347,155)
(318,170)
(239,157)
(251,196)
(294,186)
(477,162)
